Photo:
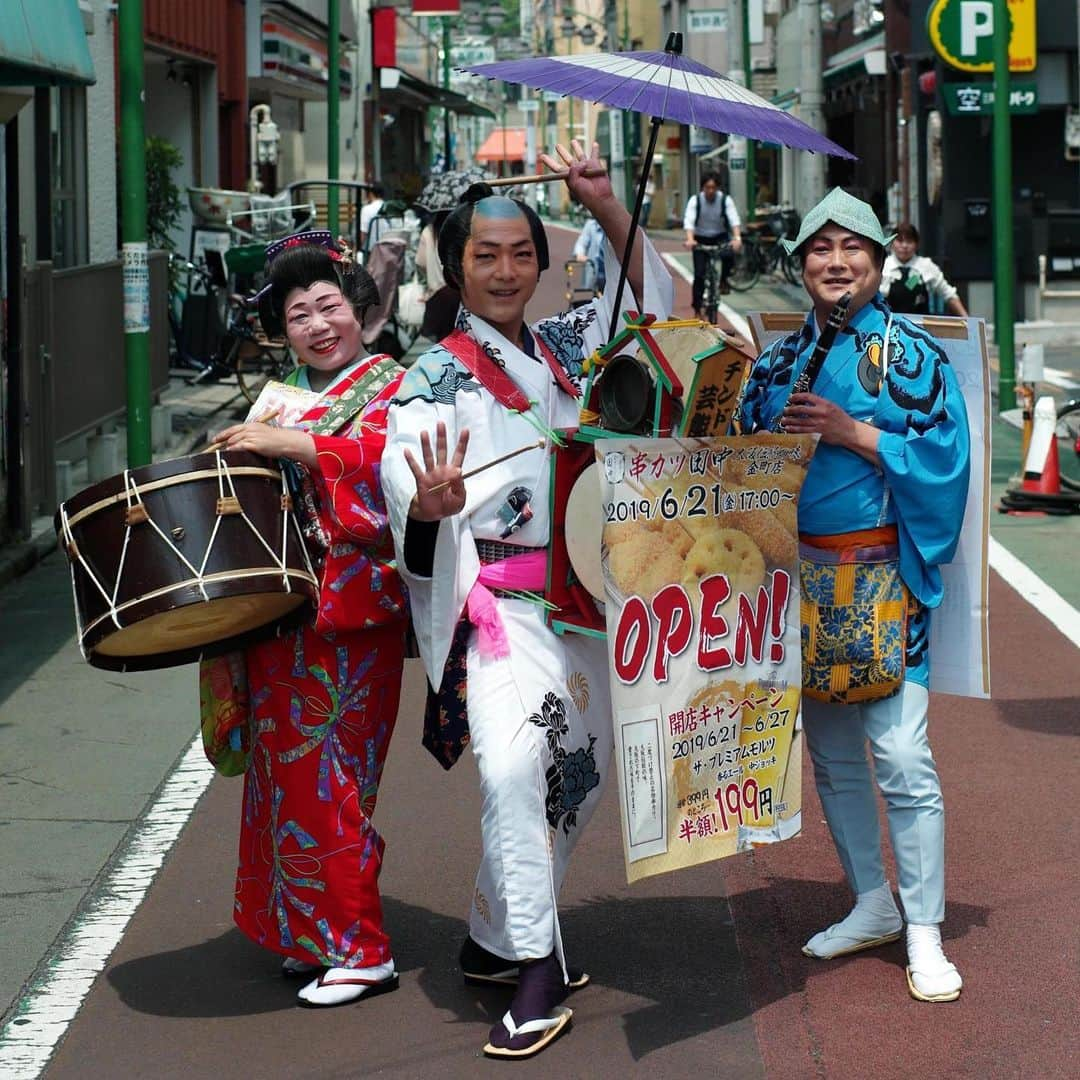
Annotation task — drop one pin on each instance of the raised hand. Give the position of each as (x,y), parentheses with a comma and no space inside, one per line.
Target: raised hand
(427,505)
(590,191)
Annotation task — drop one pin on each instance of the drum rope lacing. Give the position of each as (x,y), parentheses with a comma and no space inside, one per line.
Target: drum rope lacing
(133,497)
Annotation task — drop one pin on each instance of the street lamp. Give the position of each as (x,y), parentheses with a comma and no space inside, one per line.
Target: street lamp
(265,139)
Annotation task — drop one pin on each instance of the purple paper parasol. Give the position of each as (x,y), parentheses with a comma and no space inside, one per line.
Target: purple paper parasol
(666,85)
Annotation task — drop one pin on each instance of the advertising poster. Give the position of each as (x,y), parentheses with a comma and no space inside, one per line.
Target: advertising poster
(701,574)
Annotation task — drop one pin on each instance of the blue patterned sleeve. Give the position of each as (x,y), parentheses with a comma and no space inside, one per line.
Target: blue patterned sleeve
(926,463)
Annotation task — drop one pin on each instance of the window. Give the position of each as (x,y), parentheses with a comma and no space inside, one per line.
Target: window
(67,137)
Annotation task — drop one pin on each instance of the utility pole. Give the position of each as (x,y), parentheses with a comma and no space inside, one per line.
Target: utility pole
(448,163)
(136,265)
(1004,306)
(751,148)
(811,101)
(738,146)
(333,112)
(615,117)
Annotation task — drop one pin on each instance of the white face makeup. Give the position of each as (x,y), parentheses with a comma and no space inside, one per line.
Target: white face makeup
(321,327)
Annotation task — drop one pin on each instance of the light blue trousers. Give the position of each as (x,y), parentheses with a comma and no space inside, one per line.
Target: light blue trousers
(905,772)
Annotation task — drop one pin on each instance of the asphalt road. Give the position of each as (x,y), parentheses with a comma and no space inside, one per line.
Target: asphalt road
(694,972)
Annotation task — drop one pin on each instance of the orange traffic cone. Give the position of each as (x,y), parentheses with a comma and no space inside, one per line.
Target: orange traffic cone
(1042,473)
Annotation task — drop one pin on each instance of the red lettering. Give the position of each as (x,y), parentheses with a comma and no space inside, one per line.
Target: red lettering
(750,626)
(635,630)
(671,606)
(715,589)
(781,589)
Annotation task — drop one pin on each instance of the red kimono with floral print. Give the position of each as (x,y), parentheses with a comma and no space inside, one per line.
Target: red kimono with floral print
(324,699)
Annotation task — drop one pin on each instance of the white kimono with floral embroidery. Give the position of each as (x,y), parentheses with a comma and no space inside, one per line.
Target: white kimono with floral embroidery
(540,718)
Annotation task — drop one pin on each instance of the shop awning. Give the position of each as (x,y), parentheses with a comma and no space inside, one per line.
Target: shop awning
(866,56)
(43,42)
(398,88)
(503,144)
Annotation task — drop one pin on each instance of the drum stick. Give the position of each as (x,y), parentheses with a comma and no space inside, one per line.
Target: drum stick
(539,178)
(220,444)
(538,445)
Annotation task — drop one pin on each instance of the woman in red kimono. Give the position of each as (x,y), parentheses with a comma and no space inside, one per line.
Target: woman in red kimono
(324,698)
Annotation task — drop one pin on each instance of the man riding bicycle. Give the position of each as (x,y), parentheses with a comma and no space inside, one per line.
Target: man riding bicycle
(711,219)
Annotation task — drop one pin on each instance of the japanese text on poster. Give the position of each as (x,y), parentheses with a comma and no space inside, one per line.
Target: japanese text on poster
(700,561)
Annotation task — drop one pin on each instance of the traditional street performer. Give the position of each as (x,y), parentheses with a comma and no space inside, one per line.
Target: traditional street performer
(886,488)
(473,554)
(323,699)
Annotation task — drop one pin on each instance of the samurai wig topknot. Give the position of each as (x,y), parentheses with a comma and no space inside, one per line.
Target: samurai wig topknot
(458,226)
(301,265)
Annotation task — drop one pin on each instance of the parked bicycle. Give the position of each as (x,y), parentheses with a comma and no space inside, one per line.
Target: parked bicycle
(1068,433)
(762,253)
(216,347)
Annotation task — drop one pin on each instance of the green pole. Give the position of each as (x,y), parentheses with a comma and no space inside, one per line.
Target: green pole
(1004,263)
(446,86)
(751,164)
(333,111)
(136,267)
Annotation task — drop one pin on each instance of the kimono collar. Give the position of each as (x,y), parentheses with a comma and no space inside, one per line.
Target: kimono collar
(501,349)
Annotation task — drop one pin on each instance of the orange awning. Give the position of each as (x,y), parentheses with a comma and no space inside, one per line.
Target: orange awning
(503,144)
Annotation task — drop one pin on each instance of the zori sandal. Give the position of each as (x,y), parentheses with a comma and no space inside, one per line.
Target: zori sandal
(339,986)
(529,1037)
(292,968)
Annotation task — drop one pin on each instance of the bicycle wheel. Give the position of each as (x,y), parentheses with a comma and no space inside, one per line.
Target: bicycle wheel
(257,364)
(1068,434)
(747,269)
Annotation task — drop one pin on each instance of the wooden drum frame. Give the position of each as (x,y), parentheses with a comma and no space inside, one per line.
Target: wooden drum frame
(183,559)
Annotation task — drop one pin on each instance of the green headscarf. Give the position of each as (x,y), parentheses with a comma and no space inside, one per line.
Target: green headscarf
(842,209)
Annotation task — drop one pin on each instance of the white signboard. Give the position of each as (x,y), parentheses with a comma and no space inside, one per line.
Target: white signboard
(711,21)
(467,55)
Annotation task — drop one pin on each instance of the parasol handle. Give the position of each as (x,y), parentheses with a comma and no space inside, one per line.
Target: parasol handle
(539,178)
(646,171)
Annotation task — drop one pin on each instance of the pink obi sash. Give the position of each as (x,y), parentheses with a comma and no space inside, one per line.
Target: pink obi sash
(519,572)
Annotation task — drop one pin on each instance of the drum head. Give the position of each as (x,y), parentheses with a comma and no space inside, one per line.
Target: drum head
(198,625)
(585,529)
(681,344)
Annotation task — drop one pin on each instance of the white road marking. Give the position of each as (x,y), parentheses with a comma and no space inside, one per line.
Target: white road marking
(1060,379)
(1046,600)
(56,992)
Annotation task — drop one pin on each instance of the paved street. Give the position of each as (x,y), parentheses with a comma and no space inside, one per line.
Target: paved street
(694,972)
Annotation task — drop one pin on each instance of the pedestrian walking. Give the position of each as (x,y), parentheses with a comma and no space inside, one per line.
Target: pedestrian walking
(323,699)
(881,509)
(711,218)
(369,227)
(473,552)
(589,248)
(909,280)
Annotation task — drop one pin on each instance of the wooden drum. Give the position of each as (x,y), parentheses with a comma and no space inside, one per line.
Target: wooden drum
(184,559)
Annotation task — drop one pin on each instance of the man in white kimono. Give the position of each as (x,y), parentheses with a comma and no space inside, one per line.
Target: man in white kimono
(474,558)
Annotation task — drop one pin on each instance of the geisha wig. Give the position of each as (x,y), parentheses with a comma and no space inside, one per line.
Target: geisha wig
(301,265)
(458,227)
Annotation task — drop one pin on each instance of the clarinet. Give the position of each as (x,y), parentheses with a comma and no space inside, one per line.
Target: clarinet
(833,325)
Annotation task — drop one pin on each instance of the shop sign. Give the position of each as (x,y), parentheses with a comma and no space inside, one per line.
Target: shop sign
(711,21)
(977,99)
(962,33)
(468,55)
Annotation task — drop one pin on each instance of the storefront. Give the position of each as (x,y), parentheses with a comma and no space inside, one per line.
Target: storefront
(44,60)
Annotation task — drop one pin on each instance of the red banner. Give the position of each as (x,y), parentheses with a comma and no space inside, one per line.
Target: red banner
(384,37)
(436,7)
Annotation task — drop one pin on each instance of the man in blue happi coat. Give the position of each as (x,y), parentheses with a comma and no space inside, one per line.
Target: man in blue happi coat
(891,467)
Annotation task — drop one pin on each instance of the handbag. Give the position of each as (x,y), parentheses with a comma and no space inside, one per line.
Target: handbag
(224,713)
(854,611)
(411,303)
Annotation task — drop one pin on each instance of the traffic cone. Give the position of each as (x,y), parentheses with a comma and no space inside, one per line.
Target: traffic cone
(1042,472)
